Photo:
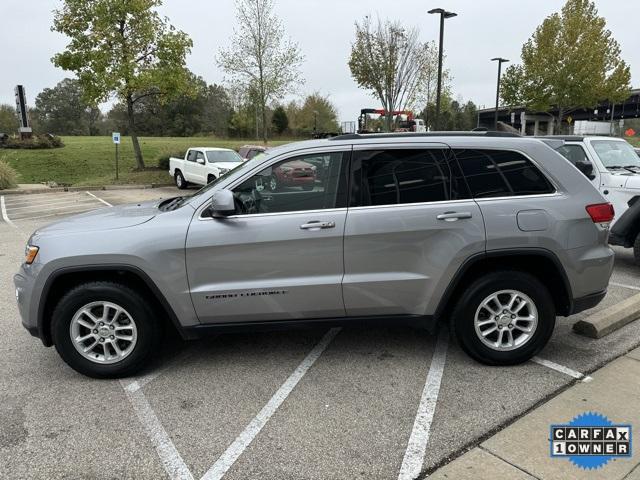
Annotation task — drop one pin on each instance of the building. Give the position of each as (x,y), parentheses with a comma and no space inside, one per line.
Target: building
(532,123)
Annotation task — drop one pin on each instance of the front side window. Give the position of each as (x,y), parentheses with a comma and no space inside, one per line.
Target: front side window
(501,173)
(191,156)
(400,176)
(199,156)
(307,182)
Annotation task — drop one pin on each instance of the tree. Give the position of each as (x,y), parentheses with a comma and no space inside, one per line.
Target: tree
(570,62)
(123,48)
(390,60)
(280,120)
(63,111)
(315,113)
(260,58)
(9,122)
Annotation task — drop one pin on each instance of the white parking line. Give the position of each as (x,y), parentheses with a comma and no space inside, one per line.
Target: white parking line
(562,369)
(99,199)
(624,285)
(173,463)
(66,201)
(417,447)
(3,211)
(228,458)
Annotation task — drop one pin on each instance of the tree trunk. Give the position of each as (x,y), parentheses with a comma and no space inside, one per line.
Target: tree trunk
(134,135)
(558,127)
(264,122)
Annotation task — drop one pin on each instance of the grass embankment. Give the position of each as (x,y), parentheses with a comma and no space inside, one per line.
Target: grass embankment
(91,160)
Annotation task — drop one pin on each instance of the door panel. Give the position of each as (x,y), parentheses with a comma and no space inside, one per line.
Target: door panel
(398,260)
(265,267)
(411,225)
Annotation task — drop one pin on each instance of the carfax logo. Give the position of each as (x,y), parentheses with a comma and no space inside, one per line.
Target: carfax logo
(590,440)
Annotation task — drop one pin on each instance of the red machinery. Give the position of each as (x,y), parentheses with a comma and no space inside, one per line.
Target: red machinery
(405,125)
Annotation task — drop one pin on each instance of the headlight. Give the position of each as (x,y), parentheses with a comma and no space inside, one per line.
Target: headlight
(30,254)
(223,170)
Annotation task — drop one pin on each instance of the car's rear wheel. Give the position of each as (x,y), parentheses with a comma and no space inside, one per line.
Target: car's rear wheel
(504,318)
(181,183)
(210,178)
(104,329)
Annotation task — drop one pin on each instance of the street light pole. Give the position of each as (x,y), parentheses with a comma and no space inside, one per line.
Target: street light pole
(500,61)
(443,14)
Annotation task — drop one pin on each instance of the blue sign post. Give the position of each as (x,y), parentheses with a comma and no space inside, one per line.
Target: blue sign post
(115,136)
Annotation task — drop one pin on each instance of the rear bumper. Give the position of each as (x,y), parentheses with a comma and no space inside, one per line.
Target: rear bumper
(589,301)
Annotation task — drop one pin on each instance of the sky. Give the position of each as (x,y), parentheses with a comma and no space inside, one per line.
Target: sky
(324,30)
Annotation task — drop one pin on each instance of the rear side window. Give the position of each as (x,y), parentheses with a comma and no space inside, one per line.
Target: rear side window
(501,173)
(398,176)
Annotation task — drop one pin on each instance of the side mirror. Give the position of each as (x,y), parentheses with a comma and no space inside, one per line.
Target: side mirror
(200,161)
(222,204)
(586,168)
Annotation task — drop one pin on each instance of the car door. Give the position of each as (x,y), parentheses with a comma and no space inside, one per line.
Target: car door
(190,166)
(410,226)
(280,256)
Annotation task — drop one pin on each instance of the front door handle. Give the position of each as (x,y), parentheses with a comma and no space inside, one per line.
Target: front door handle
(453,216)
(316,225)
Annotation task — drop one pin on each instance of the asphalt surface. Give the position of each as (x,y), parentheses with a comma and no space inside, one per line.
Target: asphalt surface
(302,404)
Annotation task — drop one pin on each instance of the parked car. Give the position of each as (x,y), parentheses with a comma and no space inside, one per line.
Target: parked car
(613,167)
(296,173)
(249,151)
(495,234)
(202,165)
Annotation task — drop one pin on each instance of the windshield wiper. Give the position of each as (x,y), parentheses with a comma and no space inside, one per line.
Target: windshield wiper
(632,168)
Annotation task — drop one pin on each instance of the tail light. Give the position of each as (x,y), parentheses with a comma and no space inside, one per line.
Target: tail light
(601,212)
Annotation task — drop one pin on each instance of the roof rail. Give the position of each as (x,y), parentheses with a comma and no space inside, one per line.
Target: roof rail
(357,136)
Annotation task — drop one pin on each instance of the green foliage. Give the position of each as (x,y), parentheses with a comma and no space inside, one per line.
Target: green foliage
(315,111)
(90,160)
(571,61)
(8,176)
(62,110)
(390,61)
(280,120)
(260,60)
(36,142)
(454,115)
(9,122)
(124,48)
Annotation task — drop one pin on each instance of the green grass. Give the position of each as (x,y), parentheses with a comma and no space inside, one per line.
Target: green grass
(91,160)
(635,141)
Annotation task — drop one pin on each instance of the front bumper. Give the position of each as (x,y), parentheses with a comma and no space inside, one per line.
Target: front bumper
(24,281)
(588,301)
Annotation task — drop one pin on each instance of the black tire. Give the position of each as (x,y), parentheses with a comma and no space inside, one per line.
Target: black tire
(148,330)
(210,178)
(636,250)
(181,183)
(467,304)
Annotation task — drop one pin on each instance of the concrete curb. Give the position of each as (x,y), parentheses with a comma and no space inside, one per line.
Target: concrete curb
(16,191)
(609,319)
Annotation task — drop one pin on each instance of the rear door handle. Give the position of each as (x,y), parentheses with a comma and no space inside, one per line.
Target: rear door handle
(316,225)
(453,216)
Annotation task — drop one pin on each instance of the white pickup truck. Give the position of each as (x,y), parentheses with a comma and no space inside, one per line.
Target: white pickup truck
(202,165)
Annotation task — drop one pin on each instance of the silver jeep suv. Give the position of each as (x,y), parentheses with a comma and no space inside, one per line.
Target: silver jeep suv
(494,234)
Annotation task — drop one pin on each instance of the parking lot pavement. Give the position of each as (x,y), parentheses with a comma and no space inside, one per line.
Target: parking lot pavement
(299,404)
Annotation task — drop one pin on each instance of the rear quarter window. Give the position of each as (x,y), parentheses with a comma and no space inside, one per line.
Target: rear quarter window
(501,173)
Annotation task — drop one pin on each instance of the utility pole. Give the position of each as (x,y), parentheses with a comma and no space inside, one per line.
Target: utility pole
(500,61)
(443,15)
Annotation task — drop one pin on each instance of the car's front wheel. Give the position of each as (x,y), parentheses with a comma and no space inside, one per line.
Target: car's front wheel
(504,318)
(104,330)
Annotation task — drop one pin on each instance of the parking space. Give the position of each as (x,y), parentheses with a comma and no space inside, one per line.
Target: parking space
(372,403)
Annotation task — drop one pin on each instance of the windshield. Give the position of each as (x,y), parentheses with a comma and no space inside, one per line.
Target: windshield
(223,156)
(616,153)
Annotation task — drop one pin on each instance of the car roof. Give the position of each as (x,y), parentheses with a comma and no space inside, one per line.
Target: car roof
(579,138)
